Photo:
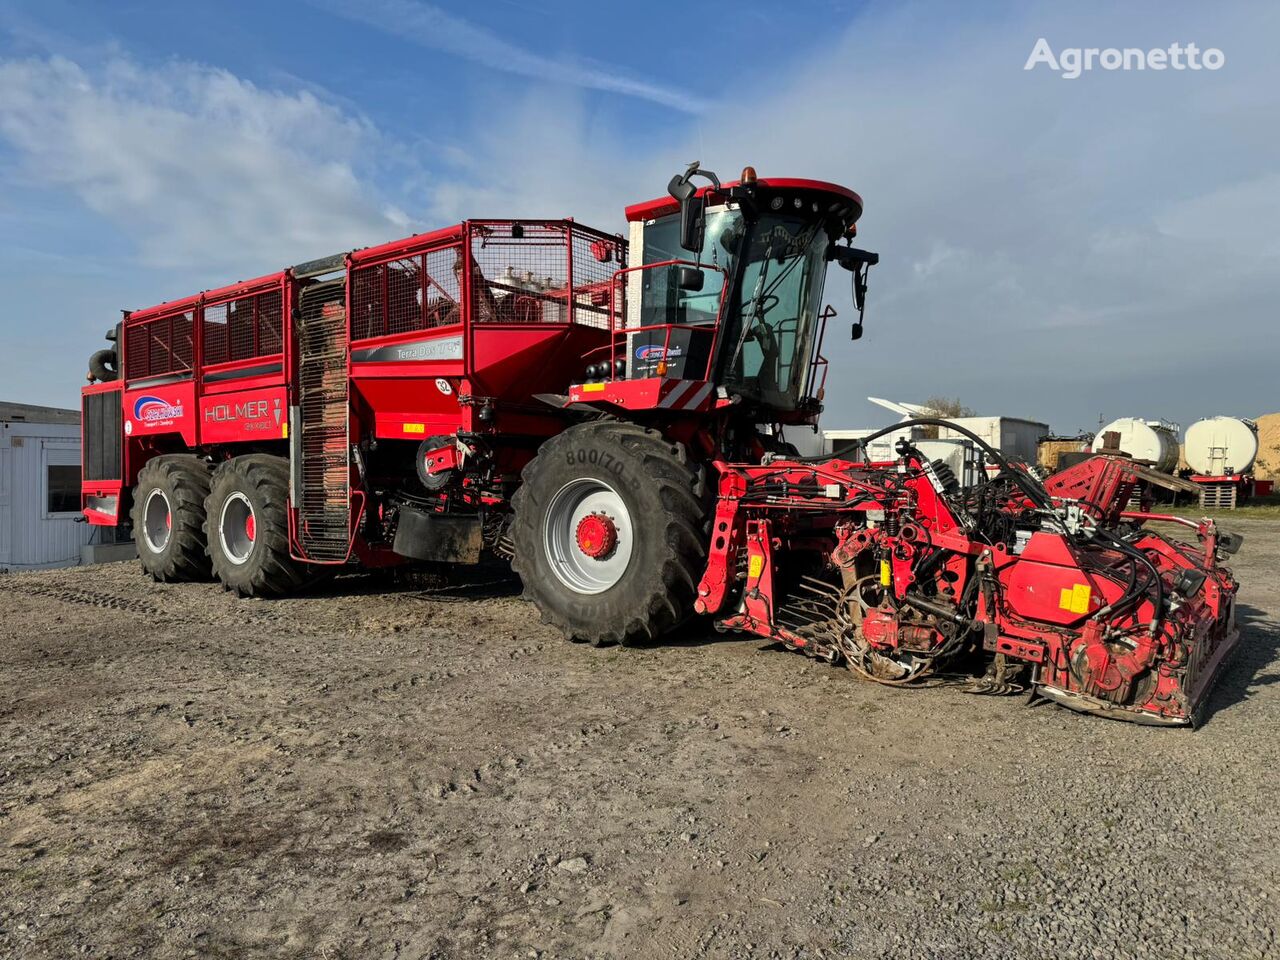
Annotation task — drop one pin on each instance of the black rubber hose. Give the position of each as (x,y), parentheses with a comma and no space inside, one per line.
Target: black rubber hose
(102,366)
(1141,557)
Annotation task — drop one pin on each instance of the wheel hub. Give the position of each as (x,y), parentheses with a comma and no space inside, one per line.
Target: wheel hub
(589,536)
(237,528)
(157,521)
(597,535)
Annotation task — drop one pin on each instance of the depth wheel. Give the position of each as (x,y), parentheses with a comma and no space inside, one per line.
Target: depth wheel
(609,533)
(168,518)
(248,528)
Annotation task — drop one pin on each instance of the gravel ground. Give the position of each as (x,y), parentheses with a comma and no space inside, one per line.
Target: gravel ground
(430,773)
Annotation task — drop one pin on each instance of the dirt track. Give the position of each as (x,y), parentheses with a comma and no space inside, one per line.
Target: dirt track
(433,774)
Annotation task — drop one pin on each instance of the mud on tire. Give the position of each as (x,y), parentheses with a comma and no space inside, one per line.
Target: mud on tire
(248,528)
(168,518)
(664,499)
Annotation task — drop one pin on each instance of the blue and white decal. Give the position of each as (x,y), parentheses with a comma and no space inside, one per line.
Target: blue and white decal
(150,409)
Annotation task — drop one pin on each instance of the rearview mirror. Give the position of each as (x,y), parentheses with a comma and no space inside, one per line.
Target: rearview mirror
(859,263)
(690,278)
(693,208)
(693,222)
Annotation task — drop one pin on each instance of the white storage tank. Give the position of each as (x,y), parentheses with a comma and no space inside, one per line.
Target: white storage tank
(1153,440)
(1221,446)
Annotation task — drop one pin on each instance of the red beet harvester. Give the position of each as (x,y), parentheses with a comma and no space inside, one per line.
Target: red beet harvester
(609,414)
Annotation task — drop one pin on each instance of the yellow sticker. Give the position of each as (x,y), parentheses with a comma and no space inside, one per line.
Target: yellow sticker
(754,566)
(592,387)
(284,430)
(886,573)
(1075,599)
(415,428)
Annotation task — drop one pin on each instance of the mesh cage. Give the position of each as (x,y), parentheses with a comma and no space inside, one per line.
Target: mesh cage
(244,328)
(160,346)
(542,272)
(414,293)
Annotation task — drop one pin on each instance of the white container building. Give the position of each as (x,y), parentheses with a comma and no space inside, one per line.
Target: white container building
(40,488)
(1013,436)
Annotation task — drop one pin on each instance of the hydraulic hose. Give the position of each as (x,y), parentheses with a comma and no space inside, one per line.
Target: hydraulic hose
(1032,488)
(1157,583)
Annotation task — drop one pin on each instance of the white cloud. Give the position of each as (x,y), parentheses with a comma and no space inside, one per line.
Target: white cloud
(1236,214)
(195,165)
(429,26)
(1048,249)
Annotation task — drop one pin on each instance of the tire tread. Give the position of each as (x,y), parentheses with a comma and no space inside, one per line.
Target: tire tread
(667,596)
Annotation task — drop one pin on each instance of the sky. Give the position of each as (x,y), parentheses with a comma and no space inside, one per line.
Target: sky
(1059,249)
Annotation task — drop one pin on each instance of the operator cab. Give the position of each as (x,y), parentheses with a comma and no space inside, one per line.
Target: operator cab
(725,283)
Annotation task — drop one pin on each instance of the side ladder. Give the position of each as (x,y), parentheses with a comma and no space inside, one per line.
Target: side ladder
(320,445)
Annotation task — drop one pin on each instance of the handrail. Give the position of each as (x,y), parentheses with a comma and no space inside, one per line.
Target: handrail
(614,313)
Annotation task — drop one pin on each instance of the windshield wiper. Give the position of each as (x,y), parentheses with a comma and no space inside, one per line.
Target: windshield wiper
(757,298)
(761,293)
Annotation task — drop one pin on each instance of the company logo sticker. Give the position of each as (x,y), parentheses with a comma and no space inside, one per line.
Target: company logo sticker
(151,409)
(653,351)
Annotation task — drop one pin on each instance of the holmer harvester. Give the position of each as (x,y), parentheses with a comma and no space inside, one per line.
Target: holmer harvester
(609,413)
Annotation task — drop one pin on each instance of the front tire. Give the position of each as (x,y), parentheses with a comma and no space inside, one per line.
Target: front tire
(248,528)
(168,518)
(609,533)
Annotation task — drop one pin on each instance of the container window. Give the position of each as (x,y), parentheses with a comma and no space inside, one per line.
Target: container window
(62,485)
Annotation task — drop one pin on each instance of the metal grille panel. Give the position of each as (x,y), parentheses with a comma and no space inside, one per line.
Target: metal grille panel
(245,328)
(548,272)
(406,295)
(156,347)
(322,443)
(100,418)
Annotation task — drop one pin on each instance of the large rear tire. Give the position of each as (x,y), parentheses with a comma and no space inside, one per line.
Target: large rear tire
(609,533)
(248,528)
(168,518)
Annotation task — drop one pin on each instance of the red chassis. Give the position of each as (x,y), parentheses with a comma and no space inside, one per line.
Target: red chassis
(893,570)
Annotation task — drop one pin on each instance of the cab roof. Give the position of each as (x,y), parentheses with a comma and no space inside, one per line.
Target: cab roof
(662,206)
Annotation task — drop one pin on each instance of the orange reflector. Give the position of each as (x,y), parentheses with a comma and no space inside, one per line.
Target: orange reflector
(662,368)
